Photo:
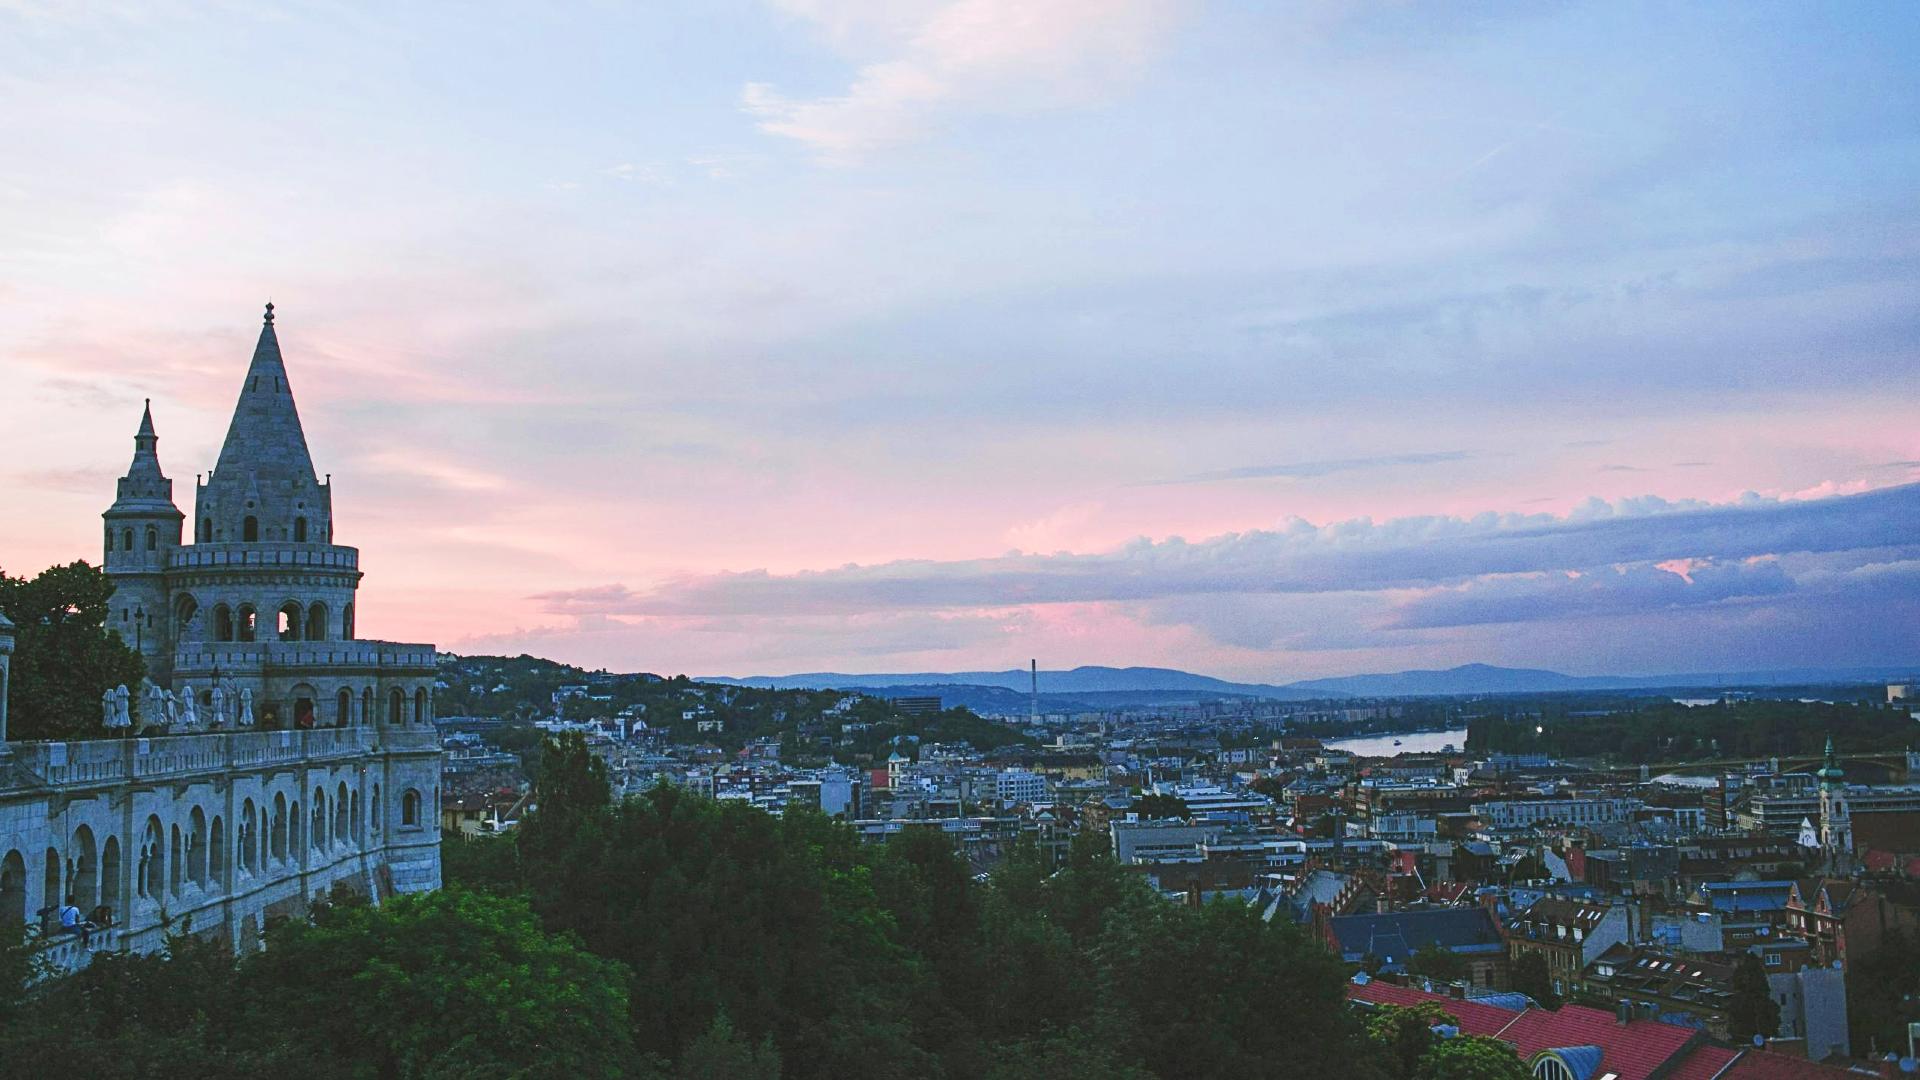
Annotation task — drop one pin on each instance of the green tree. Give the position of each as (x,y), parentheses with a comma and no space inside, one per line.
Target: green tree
(1470,1057)
(65,653)
(1161,806)
(445,984)
(1752,1011)
(1403,1035)
(1531,977)
(572,781)
(1434,962)
(1883,993)
(720,1054)
(482,862)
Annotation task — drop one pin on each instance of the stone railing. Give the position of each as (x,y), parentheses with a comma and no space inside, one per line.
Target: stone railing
(242,655)
(62,954)
(71,764)
(267,556)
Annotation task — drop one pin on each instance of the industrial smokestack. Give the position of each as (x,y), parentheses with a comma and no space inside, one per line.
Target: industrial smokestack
(1033,708)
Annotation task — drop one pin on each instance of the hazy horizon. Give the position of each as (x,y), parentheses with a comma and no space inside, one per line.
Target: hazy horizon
(936,335)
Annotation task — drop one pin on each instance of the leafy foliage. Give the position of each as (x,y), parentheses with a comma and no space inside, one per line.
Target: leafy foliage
(65,656)
(1531,977)
(1753,1011)
(1883,993)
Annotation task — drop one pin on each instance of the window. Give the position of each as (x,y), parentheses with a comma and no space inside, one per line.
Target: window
(250,529)
(396,707)
(206,530)
(410,808)
(222,623)
(343,708)
(153,538)
(126,540)
(244,628)
(290,619)
(346,623)
(184,609)
(317,622)
(300,530)
(109,539)
(420,706)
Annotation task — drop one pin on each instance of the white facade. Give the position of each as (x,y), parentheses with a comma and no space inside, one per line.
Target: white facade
(283,755)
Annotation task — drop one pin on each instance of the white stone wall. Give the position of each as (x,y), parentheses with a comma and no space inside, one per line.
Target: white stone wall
(233,818)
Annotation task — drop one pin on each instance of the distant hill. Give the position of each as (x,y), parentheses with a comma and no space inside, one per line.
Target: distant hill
(1166,683)
(1487,679)
(1109,687)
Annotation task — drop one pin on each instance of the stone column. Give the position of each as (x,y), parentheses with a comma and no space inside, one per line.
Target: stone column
(6,673)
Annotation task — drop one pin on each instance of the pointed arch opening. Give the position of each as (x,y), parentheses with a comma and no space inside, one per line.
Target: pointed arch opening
(13,888)
(83,873)
(316,621)
(289,621)
(109,874)
(250,529)
(299,530)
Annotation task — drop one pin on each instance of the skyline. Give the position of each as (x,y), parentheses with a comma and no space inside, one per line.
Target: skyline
(861,337)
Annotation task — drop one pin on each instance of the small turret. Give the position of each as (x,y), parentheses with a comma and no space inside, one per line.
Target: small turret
(142,530)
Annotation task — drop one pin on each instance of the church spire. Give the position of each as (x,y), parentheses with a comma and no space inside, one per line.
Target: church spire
(265,436)
(263,487)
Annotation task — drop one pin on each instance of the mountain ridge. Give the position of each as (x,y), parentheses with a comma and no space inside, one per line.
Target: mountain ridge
(1462,679)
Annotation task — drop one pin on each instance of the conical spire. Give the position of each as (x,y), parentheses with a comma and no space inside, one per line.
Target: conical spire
(265,437)
(1830,773)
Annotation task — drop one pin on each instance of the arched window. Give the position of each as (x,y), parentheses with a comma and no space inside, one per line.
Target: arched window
(109,539)
(359,823)
(290,618)
(366,707)
(278,832)
(374,817)
(217,853)
(343,708)
(319,837)
(153,859)
(341,824)
(296,829)
(153,538)
(184,609)
(175,854)
(300,530)
(244,623)
(51,882)
(249,834)
(13,888)
(222,623)
(317,622)
(83,879)
(410,808)
(346,623)
(396,707)
(420,705)
(126,540)
(250,529)
(110,872)
(197,847)
(206,530)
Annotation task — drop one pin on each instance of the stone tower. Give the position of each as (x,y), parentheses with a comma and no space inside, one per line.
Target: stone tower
(142,532)
(1836,821)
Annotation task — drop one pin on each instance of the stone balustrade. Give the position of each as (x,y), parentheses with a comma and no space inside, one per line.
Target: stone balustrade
(287,556)
(247,655)
(104,761)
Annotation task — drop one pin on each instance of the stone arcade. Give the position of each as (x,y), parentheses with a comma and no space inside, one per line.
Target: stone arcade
(296,756)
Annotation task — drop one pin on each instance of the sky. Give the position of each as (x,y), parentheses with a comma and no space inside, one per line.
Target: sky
(1265,341)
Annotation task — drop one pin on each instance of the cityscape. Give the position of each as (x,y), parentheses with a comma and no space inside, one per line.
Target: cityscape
(960,539)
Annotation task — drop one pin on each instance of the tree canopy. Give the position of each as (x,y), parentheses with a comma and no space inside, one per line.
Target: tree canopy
(65,654)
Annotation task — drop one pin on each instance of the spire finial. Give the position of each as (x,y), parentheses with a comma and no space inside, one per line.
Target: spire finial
(269,312)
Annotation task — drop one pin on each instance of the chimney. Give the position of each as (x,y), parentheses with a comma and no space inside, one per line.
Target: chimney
(1623,1012)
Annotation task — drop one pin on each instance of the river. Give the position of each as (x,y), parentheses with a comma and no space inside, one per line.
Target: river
(1414,742)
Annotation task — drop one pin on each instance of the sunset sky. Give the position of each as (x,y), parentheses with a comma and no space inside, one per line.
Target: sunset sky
(1266,341)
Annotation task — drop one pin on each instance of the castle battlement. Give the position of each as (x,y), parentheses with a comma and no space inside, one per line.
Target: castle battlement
(275,756)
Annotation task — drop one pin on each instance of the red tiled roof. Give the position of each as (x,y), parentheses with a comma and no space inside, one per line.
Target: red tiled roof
(1705,1063)
(1764,1065)
(1475,1018)
(1634,1050)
